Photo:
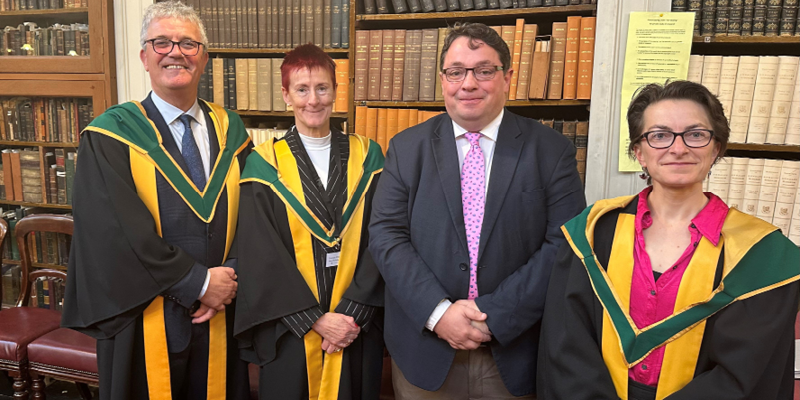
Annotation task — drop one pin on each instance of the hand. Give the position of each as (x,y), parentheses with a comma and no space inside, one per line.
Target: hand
(221,289)
(480,325)
(203,314)
(455,327)
(329,347)
(338,329)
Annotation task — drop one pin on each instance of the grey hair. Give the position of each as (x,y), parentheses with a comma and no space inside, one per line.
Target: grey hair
(172,9)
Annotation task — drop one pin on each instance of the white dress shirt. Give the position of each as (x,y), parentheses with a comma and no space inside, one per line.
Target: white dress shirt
(319,151)
(487,141)
(200,131)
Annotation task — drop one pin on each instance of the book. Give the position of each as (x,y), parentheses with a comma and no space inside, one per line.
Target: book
(437,92)
(427,78)
(581,145)
(402,119)
(372,124)
(380,132)
(466,5)
(342,80)
(737,182)
(399,63)
(69,166)
(557,56)
(516,54)
(31,176)
(782,99)
(345,25)
(8,174)
(326,21)
(752,188)
(387,65)
(769,189)
(277,96)
(252,84)
(391,126)
(571,57)
(61,176)
(743,98)
(727,82)
(793,123)
(374,82)
(218,75)
(586,58)
(540,67)
(361,121)
(361,65)
(264,84)
(370,7)
(242,84)
(16,171)
(712,67)
(763,93)
(411,69)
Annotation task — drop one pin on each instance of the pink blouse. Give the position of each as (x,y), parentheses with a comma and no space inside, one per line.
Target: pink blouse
(653,300)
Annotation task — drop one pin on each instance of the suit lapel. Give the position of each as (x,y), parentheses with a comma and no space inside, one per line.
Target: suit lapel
(446,156)
(504,163)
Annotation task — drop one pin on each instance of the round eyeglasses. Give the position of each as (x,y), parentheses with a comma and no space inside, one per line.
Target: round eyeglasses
(187,47)
(694,138)
(458,74)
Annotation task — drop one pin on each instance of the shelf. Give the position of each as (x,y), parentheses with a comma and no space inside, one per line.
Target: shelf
(37,265)
(61,12)
(246,113)
(747,39)
(476,13)
(269,51)
(509,103)
(775,148)
(43,205)
(37,144)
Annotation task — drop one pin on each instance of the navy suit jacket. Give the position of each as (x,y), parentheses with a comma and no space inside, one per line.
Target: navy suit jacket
(418,240)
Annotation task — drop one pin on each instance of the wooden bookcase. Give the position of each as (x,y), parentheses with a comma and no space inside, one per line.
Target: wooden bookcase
(90,77)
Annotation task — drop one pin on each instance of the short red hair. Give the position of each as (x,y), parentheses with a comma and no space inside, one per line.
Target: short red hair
(306,56)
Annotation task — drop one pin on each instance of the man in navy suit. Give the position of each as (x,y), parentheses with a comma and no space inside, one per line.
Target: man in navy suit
(465,228)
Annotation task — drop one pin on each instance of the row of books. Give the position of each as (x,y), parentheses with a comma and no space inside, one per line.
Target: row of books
(261,135)
(382,124)
(415,6)
(20,5)
(765,188)
(742,17)
(26,177)
(265,24)
(405,65)
(27,39)
(44,119)
(760,95)
(254,84)
(578,133)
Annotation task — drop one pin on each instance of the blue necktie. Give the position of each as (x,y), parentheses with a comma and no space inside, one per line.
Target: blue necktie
(191,154)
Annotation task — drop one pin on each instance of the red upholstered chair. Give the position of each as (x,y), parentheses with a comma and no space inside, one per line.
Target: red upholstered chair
(60,353)
(19,326)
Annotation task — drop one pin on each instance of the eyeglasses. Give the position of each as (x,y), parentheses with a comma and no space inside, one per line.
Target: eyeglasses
(458,74)
(187,47)
(694,138)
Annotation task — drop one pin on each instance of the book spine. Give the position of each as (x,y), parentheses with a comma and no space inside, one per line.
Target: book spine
(427,79)
(556,80)
(414,6)
(466,5)
(361,65)
(586,58)
(412,65)
(345,28)
(516,54)
(399,64)
(370,7)
(387,64)
(375,46)
(336,23)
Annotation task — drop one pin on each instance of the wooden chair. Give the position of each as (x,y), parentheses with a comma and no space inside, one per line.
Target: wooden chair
(19,326)
(61,353)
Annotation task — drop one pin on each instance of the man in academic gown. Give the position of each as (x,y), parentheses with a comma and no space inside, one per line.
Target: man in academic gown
(155,205)
(732,340)
(288,282)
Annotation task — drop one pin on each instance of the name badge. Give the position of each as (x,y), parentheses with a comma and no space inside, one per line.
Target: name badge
(332,259)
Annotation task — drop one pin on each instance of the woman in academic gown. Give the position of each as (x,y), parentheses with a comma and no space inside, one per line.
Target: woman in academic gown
(310,300)
(669,293)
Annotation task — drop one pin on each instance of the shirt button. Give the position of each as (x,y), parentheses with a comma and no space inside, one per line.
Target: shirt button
(644,367)
(653,292)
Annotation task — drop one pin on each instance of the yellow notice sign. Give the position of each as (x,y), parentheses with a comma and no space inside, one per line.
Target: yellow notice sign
(658,49)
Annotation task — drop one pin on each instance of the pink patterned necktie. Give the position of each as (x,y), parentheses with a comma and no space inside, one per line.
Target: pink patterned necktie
(472,200)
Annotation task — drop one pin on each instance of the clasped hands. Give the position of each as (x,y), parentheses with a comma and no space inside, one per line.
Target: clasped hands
(337,330)
(221,291)
(463,326)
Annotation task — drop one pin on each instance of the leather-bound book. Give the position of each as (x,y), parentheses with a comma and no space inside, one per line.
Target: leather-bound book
(399,64)
(526,58)
(370,7)
(319,22)
(516,54)
(427,78)
(326,23)
(440,5)
(427,6)
(264,84)
(412,65)
(277,97)
(540,67)
(586,58)
(437,90)
(336,23)
(361,121)
(361,65)
(374,65)
(342,75)
(387,64)
(559,43)
(252,84)
(454,5)
(571,58)
(345,28)
(242,85)
(383,6)
(372,123)
(466,5)
(414,6)
(218,73)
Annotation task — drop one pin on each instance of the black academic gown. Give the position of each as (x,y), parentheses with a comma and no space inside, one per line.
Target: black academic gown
(271,287)
(117,256)
(747,350)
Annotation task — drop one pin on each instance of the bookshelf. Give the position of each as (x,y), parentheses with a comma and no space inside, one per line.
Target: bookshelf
(55,95)
(479,15)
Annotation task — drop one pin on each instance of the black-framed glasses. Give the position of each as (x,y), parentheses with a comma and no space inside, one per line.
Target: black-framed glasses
(483,73)
(694,138)
(187,47)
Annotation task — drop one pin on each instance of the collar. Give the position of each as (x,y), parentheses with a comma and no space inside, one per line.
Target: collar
(489,131)
(171,113)
(708,221)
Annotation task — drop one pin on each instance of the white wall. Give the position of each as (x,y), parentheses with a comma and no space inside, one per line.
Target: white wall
(603,179)
(133,83)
